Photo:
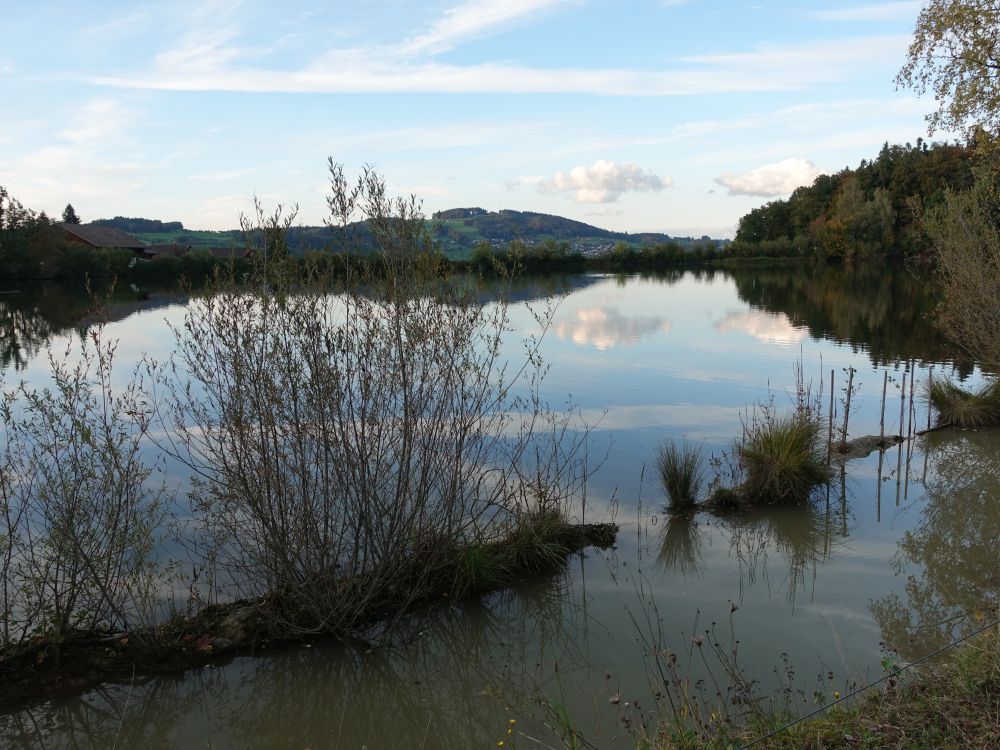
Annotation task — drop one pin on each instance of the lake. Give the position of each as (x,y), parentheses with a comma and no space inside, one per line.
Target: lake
(886,563)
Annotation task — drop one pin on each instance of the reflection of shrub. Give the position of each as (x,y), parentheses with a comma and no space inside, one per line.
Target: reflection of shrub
(784,457)
(958,407)
(680,467)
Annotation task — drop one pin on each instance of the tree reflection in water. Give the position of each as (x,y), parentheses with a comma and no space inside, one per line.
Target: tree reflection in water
(950,558)
(453,687)
(31,315)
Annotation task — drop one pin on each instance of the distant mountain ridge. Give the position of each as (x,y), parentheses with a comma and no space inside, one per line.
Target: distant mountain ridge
(457,230)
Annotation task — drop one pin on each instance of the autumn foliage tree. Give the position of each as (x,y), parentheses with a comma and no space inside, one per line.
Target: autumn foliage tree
(955,55)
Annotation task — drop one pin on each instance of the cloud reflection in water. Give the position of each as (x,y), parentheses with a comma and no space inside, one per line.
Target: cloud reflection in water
(605,327)
(772,328)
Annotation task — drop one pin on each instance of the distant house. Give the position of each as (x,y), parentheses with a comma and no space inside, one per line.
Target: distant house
(165,251)
(98,237)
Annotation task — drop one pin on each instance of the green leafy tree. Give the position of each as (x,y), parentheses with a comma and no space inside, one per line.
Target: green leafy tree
(69,215)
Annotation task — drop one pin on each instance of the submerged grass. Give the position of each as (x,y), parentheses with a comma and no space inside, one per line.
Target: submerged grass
(680,466)
(966,409)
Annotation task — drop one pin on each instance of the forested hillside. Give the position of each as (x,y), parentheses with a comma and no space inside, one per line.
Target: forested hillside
(873,210)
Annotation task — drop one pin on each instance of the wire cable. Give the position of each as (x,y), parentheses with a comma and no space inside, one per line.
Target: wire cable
(870,685)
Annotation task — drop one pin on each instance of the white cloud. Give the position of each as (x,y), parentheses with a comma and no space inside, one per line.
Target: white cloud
(604,181)
(771,180)
(871,12)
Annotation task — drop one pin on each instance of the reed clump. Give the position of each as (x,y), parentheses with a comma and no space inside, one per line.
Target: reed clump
(965,408)
(681,468)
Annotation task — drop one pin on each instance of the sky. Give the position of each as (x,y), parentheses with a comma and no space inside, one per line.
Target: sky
(673,116)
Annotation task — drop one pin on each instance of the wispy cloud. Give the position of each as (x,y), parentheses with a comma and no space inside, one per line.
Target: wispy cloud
(871,12)
(799,118)
(223,176)
(212,61)
(120,24)
(474,18)
(88,157)
(98,121)
(771,180)
(604,181)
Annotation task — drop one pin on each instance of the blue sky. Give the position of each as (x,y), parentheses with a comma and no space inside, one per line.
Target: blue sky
(665,115)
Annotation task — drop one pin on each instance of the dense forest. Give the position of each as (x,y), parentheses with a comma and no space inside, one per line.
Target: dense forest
(140,226)
(874,210)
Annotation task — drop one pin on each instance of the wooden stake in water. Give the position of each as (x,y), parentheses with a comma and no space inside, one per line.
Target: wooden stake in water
(847,408)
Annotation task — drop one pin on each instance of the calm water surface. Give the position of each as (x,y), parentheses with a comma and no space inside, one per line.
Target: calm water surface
(890,555)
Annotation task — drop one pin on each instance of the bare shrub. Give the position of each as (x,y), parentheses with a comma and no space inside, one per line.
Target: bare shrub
(77,507)
(965,232)
(346,443)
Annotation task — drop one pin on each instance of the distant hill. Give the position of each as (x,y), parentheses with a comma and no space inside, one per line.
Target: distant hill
(139,226)
(456,230)
(463,228)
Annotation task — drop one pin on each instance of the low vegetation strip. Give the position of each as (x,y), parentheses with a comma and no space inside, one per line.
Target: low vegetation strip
(953,702)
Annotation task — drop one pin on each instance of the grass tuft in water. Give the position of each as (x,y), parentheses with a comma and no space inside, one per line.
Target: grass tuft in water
(680,465)
(535,543)
(784,458)
(966,409)
(479,568)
